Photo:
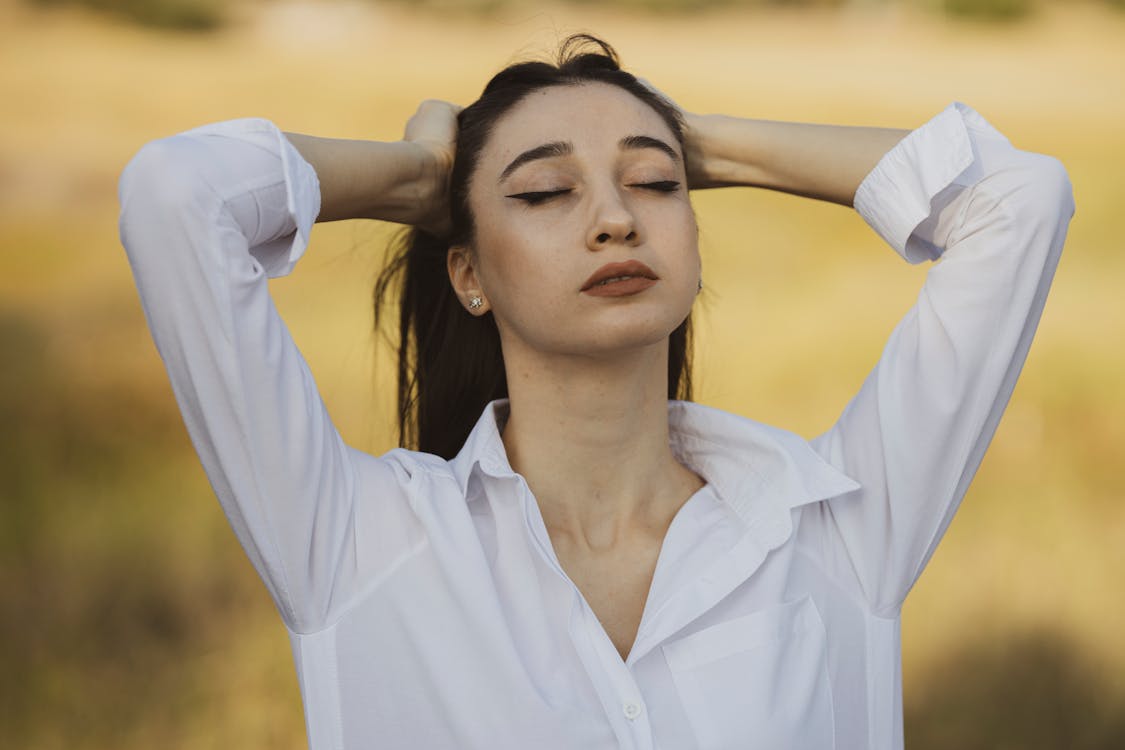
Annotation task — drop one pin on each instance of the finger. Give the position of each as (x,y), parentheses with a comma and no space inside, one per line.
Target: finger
(439,104)
(433,120)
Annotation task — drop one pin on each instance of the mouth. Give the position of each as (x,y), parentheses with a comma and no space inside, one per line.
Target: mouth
(630,274)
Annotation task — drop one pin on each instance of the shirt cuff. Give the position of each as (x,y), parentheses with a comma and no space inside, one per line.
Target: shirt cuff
(282,228)
(919,176)
(302,193)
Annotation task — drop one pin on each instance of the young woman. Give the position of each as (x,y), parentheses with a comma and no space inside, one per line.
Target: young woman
(576,556)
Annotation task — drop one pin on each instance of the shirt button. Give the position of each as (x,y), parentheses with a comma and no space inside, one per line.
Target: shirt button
(631,710)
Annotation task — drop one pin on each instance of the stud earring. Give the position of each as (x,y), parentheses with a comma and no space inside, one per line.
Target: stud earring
(700,287)
(475,302)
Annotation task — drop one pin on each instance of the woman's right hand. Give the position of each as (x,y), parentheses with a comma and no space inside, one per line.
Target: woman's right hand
(406,181)
(433,128)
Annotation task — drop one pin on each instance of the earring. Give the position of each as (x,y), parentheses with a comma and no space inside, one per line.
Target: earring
(475,302)
(700,287)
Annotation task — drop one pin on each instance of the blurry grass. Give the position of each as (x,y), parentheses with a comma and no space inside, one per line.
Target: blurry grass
(211,15)
(130,617)
(660,7)
(182,15)
(1034,689)
(990,10)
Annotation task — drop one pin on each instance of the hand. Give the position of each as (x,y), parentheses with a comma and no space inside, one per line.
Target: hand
(433,128)
(694,156)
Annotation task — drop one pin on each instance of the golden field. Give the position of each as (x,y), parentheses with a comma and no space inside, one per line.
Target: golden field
(129,617)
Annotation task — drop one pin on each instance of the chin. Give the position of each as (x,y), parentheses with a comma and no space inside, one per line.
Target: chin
(604,333)
(629,333)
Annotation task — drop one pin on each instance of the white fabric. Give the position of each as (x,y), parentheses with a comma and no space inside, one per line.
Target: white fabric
(425,604)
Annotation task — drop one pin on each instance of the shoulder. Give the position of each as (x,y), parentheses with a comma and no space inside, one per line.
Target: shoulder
(748,460)
(406,466)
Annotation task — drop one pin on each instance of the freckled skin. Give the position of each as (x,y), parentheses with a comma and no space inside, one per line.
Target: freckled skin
(531,261)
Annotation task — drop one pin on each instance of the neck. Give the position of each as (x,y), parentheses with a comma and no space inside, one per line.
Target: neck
(591,438)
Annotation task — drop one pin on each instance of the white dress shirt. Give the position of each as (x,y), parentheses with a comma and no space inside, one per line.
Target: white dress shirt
(425,604)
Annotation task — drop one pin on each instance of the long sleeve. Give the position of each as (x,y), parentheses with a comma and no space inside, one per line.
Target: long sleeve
(995,218)
(206,217)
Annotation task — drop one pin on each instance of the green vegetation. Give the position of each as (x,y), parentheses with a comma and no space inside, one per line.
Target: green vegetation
(991,10)
(183,15)
(208,15)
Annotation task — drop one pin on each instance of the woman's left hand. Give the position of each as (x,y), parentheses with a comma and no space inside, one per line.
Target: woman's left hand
(694,155)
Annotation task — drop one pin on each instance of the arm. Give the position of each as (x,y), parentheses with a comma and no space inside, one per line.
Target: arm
(404,182)
(826,162)
(913,437)
(206,217)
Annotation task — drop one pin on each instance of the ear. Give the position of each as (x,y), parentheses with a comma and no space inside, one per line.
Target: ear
(460,262)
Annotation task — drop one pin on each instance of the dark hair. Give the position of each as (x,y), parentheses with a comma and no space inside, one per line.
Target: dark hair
(449,362)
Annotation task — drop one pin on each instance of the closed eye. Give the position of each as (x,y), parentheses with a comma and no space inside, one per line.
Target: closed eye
(538,196)
(663,186)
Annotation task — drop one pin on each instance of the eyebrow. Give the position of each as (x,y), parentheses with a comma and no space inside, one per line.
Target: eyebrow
(564,148)
(647,141)
(546,151)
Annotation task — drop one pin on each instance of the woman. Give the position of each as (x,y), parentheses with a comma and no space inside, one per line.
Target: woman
(575,558)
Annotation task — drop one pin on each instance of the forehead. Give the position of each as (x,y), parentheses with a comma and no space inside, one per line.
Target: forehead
(586,115)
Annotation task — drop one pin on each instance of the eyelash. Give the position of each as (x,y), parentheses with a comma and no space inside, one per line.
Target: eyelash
(539,196)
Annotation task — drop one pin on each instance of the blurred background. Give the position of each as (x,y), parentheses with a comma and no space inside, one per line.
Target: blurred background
(129,617)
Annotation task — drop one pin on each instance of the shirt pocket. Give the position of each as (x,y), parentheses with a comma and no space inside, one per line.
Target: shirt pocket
(757,681)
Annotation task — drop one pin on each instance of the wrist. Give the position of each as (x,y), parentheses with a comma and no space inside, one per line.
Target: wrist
(700,149)
(722,152)
(400,182)
(429,186)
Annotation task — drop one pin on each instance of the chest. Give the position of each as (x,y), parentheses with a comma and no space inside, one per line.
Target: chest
(751,661)
(616,587)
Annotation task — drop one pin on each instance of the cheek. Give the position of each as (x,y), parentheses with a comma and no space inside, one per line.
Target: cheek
(518,273)
(677,232)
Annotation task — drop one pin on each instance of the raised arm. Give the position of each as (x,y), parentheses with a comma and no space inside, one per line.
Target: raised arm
(404,181)
(956,190)
(206,217)
(826,162)
(953,190)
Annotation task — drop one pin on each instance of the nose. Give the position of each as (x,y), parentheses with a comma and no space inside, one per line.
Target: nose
(612,222)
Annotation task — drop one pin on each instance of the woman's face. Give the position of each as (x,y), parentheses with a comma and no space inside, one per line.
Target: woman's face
(572,180)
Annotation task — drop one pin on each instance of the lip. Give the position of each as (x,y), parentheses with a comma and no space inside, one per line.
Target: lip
(629,268)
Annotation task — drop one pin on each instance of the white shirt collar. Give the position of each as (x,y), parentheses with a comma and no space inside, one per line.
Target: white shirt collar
(761,472)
